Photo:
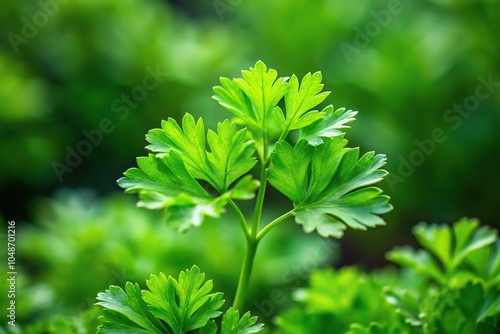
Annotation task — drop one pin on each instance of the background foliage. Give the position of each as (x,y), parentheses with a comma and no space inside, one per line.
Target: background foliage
(420,59)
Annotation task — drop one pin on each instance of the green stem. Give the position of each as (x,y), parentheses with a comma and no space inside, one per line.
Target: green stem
(241,218)
(283,134)
(272,224)
(246,272)
(259,203)
(252,242)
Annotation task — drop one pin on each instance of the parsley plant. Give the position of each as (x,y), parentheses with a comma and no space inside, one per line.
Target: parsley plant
(192,174)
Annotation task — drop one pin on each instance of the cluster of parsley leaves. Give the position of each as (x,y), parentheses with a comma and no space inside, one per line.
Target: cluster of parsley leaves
(329,184)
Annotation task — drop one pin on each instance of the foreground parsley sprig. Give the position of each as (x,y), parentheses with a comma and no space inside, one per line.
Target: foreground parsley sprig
(170,306)
(192,174)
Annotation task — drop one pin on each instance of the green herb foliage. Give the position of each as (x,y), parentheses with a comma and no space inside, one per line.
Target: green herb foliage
(192,174)
(451,285)
(326,181)
(170,306)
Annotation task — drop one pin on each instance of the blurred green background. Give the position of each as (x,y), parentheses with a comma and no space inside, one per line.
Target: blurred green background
(424,76)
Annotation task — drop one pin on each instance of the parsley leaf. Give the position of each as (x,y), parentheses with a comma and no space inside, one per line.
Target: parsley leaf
(329,126)
(233,324)
(328,185)
(164,183)
(230,96)
(126,312)
(167,180)
(184,305)
(298,101)
(451,251)
(231,155)
(164,175)
(264,91)
(253,99)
